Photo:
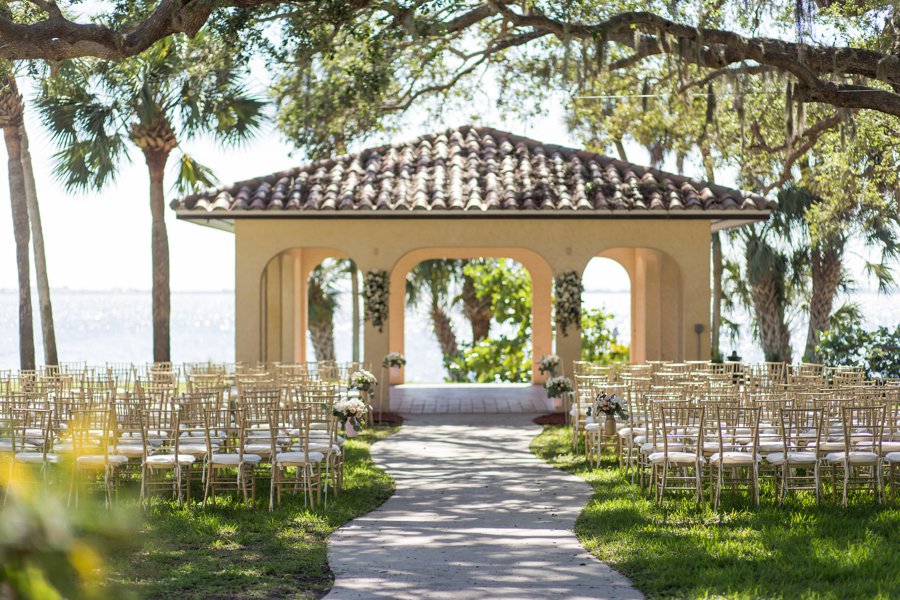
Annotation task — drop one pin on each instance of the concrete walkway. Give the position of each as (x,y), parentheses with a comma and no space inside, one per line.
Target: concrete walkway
(475,515)
(433,398)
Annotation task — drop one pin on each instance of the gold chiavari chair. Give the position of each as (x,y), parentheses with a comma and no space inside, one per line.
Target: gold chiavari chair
(228,467)
(290,427)
(92,430)
(797,465)
(735,463)
(164,468)
(679,465)
(859,469)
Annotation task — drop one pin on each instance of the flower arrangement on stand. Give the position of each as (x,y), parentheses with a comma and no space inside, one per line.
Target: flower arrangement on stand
(351,410)
(612,406)
(568,291)
(363,383)
(549,364)
(559,387)
(362,380)
(393,360)
(375,296)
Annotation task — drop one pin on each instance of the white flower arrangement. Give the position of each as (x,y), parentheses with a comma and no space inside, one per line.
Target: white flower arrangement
(375,295)
(568,291)
(350,408)
(549,364)
(362,380)
(557,386)
(394,359)
(610,405)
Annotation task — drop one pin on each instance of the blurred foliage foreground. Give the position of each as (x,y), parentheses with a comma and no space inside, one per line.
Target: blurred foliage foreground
(51,549)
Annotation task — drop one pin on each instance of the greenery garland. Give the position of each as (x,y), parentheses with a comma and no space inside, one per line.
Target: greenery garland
(375,294)
(568,291)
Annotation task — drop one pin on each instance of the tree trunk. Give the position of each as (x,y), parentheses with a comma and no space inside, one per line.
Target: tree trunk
(443,330)
(715,334)
(354,291)
(159,243)
(12,137)
(767,295)
(479,311)
(718,268)
(825,269)
(321,321)
(48,330)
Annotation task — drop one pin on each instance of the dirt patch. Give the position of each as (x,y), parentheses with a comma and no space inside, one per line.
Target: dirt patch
(554,418)
(387,418)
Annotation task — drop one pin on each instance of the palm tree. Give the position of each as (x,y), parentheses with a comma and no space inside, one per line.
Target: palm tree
(478,310)
(322,295)
(431,281)
(176,90)
(821,231)
(45,306)
(11,121)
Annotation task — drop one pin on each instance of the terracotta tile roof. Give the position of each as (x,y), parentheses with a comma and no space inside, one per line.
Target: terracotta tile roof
(471,171)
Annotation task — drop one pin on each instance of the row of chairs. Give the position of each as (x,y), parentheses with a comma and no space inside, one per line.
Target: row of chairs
(229,430)
(688,427)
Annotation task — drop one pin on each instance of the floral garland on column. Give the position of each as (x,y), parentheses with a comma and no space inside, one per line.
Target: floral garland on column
(568,291)
(375,294)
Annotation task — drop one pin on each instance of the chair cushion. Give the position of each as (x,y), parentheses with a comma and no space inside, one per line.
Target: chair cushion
(735,458)
(35,458)
(892,457)
(886,446)
(592,427)
(298,458)
(98,460)
(195,449)
(856,457)
(259,448)
(770,446)
(802,458)
(827,446)
(168,460)
(674,457)
(321,447)
(232,460)
(129,450)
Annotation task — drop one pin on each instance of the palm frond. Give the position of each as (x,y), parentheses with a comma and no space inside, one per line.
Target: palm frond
(192,176)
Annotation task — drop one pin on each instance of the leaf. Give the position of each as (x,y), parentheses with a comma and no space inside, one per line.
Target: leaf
(193,176)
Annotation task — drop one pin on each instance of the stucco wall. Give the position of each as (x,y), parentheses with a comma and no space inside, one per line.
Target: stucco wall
(667,260)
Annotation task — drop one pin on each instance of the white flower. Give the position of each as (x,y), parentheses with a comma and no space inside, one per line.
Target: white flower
(362,380)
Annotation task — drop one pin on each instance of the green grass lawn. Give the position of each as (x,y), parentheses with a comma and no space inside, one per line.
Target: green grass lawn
(230,551)
(680,550)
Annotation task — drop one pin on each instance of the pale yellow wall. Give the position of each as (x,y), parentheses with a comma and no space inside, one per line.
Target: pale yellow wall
(284,285)
(668,261)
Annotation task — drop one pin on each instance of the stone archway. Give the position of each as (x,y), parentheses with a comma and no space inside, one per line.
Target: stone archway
(541,308)
(284,309)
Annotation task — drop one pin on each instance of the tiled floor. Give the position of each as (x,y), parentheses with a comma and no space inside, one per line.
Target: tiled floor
(469,398)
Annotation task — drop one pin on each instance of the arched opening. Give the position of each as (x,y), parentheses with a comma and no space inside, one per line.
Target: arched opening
(307,304)
(334,312)
(468,321)
(657,328)
(509,267)
(606,312)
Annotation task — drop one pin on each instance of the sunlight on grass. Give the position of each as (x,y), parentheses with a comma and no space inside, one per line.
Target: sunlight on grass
(680,550)
(230,551)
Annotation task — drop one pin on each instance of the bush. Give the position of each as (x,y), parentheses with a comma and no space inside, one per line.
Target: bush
(598,342)
(847,343)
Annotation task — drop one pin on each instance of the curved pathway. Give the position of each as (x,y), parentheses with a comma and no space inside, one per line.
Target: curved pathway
(475,515)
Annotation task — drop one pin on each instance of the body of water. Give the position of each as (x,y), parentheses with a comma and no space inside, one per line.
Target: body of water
(115,326)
